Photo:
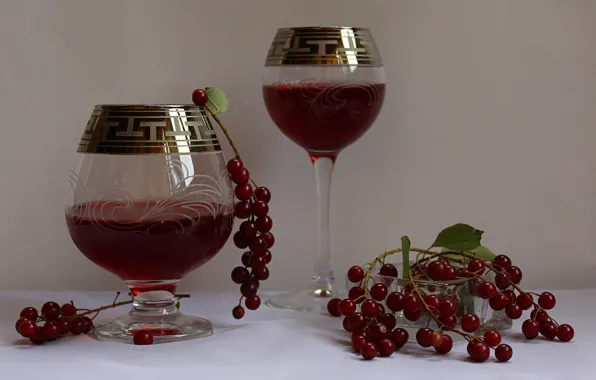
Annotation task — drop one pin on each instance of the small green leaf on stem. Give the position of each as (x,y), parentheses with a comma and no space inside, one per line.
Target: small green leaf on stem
(218,101)
(459,237)
(405,256)
(178,305)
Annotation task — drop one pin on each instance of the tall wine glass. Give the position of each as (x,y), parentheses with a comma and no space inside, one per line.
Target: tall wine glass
(150,200)
(323,87)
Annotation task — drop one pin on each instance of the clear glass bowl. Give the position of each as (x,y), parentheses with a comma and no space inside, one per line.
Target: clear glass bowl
(457,290)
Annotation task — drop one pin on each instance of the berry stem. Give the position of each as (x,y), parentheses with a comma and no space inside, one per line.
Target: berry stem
(225,131)
(114,304)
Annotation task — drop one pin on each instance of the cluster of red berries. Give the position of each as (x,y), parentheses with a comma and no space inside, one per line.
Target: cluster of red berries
(369,312)
(254,233)
(53,322)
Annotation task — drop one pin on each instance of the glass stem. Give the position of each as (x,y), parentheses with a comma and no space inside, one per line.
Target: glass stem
(323,278)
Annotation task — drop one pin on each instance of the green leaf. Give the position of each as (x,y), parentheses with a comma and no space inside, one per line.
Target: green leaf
(481,252)
(218,101)
(178,305)
(405,256)
(459,237)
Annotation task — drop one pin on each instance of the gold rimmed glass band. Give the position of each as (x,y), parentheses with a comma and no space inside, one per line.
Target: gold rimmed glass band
(323,45)
(148,129)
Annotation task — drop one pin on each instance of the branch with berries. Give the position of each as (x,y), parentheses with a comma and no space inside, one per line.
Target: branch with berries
(459,260)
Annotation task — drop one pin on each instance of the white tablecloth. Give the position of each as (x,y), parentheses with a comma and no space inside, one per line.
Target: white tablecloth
(278,345)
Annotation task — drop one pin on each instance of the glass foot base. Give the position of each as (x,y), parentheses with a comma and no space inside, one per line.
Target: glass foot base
(311,300)
(167,328)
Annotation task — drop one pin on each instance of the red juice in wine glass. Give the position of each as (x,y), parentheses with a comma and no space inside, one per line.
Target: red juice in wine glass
(324,117)
(149,240)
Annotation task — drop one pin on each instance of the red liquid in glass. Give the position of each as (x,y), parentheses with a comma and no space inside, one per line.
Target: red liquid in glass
(323,117)
(150,240)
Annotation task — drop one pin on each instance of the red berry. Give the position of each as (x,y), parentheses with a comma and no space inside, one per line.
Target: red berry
(449,274)
(411,302)
(77,326)
(29,313)
(260,209)
(358,340)
(378,291)
(241,177)
(264,224)
(479,351)
(333,307)
(395,301)
(243,192)
(355,274)
(50,311)
(238,312)
(549,330)
(50,330)
(388,320)
(492,338)
(242,209)
(355,294)
(240,275)
(516,274)
(261,273)
(388,270)
(246,258)
(436,339)
(381,308)
(63,325)
(386,347)
(503,353)
(547,300)
(462,273)
(258,245)
(448,322)
(240,241)
(446,345)
(234,166)
(498,302)
(38,338)
(369,308)
(487,290)
(435,270)
(379,331)
(447,308)
(400,337)
(503,280)
(27,328)
(263,194)
(513,311)
(347,307)
(269,239)
(470,323)
(565,333)
(200,97)
(248,229)
(248,289)
(502,262)
(525,301)
(87,324)
(18,323)
(539,315)
(142,338)
(68,310)
(424,337)
(412,314)
(257,261)
(476,266)
(252,303)
(433,302)
(530,328)
(267,256)
(510,294)
(368,351)
(356,321)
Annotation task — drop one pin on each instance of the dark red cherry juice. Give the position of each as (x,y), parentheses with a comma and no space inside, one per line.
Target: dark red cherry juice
(149,240)
(324,117)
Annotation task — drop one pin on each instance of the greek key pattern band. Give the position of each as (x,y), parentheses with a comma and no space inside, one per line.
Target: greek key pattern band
(148,129)
(337,46)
